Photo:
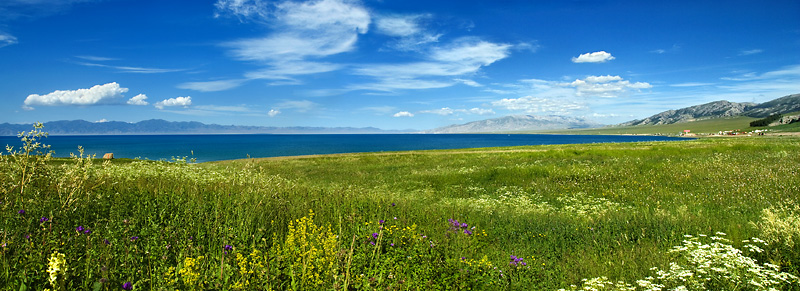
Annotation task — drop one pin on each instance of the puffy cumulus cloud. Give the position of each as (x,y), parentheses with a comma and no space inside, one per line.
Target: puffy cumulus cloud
(595,57)
(403,114)
(273,113)
(171,102)
(605,86)
(538,105)
(449,111)
(7,39)
(110,93)
(138,100)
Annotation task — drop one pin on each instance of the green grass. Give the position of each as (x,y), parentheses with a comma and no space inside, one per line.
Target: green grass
(572,211)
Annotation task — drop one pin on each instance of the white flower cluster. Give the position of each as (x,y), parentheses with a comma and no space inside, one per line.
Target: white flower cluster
(714,265)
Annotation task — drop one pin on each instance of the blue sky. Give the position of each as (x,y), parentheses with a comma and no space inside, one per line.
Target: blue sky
(389,64)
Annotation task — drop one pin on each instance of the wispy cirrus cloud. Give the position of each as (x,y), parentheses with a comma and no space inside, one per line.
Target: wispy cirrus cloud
(7,39)
(212,86)
(449,111)
(463,57)
(135,70)
(750,52)
(407,29)
(303,33)
(605,86)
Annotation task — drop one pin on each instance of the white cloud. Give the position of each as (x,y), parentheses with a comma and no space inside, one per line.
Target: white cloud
(302,32)
(449,111)
(309,29)
(403,114)
(691,84)
(273,112)
(534,105)
(605,86)
(96,58)
(297,105)
(110,93)
(467,82)
(7,39)
(223,108)
(399,25)
(444,111)
(138,100)
(408,29)
(101,120)
(212,86)
(178,101)
(136,70)
(463,57)
(595,57)
(750,52)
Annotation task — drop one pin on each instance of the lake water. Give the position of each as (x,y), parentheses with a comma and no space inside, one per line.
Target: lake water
(228,147)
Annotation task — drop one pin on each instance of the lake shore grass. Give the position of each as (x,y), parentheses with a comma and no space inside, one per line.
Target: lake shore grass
(513,218)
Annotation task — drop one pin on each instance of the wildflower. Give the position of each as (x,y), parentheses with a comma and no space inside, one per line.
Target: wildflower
(79,229)
(28,236)
(56,265)
(516,261)
(393,204)
(134,238)
(127,286)
(21,211)
(227,248)
(43,219)
(88,231)
(380,221)
(106,241)
(395,218)
(391,244)
(467,232)
(374,235)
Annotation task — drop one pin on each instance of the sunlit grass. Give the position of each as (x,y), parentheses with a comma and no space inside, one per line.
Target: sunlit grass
(386,220)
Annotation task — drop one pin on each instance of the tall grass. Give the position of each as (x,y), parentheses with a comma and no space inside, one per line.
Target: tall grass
(527,218)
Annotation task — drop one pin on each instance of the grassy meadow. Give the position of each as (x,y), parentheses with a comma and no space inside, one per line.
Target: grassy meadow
(706,214)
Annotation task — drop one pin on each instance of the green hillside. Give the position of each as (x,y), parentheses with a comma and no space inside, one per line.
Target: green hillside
(701,127)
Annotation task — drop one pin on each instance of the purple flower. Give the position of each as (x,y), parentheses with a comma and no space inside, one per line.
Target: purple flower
(28,236)
(88,231)
(463,258)
(43,219)
(391,244)
(134,238)
(464,225)
(393,204)
(227,248)
(374,235)
(516,260)
(467,232)
(127,286)
(106,241)
(372,243)
(79,229)
(381,221)
(21,211)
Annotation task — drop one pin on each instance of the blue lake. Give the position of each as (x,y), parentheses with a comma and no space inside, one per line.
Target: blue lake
(228,147)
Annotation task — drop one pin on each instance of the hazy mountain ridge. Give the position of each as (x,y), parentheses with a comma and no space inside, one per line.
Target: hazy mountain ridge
(517,123)
(719,109)
(159,126)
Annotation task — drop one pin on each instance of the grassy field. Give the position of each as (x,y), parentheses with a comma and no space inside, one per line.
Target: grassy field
(715,214)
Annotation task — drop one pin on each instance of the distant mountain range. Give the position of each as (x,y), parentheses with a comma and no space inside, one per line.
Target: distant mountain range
(718,109)
(517,123)
(158,126)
